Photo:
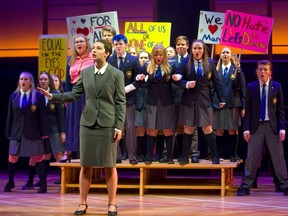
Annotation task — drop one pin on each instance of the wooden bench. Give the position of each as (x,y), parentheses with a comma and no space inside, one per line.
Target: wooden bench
(148,174)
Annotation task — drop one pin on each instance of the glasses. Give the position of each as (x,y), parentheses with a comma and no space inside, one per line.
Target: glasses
(79,42)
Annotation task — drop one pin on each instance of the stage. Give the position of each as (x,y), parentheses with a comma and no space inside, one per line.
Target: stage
(262,201)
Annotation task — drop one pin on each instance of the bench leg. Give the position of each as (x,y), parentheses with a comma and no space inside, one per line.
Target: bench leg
(142,176)
(223,182)
(63,180)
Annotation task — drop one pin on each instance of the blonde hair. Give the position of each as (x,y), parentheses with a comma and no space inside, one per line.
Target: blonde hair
(152,66)
(234,59)
(74,55)
(32,87)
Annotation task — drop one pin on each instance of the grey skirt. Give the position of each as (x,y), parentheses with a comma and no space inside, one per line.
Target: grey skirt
(197,116)
(140,116)
(227,119)
(53,144)
(97,146)
(160,117)
(26,148)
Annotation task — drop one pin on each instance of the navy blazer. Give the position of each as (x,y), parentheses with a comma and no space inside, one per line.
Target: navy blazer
(160,89)
(131,68)
(56,116)
(203,86)
(175,58)
(32,122)
(275,107)
(234,88)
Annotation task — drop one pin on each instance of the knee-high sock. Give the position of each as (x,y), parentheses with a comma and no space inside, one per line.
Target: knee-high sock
(211,143)
(186,143)
(141,145)
(11,171)
(150,146)
(41,169)
(159,146)
(179,144)
(31,174)
(169,145)
(219,145)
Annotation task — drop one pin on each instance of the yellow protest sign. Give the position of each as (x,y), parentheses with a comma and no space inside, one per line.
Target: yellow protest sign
(53,54)
(145,35)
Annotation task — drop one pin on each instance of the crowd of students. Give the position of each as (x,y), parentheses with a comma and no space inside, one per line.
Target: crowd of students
(160,98)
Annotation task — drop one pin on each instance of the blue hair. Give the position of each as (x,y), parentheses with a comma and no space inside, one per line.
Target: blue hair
(120,37)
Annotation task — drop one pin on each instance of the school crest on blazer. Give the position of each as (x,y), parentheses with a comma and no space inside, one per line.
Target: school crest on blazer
(274,101)
(52,106)
(129,74)
(33,107)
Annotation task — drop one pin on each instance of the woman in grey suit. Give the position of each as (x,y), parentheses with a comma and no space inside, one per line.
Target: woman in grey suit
(101,123)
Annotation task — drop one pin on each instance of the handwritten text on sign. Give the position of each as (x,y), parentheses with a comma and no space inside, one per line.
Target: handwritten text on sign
(53,54)
(145,35)
(91,25)
(210,26)
(246,31)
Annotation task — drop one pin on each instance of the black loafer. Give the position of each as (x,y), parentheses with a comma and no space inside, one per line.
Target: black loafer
(183,161)
(195,159)
(215,160)
(9,186)
(133,161)
(28,186)
(243,191)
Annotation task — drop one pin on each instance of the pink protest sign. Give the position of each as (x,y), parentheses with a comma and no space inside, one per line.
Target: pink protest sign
(246,31)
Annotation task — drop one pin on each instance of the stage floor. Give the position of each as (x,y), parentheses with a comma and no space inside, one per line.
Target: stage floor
(262,201)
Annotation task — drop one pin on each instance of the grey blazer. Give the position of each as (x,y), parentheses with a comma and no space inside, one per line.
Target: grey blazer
(105,104)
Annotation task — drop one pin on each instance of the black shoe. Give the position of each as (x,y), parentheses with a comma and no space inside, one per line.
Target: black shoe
(163,160)
(141,158)
(81,212)
(254,185)
(42,190)
(278,188)
(170,161)
(57,182)
(243,191)
(215,160)
(285,190)
(38,184)
(133,161)
(9,186)
(66,158)
(183,161)
(112,213)
(28,186)
(232,158)
(148,160)
(118,161)
(195,159)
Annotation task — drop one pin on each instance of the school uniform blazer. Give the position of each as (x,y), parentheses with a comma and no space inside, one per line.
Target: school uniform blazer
(175,58)
(131,68)
(275,107)
(105,104)
(56,116)
(234,88)
(160,89)
(202,86)
(31,122)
